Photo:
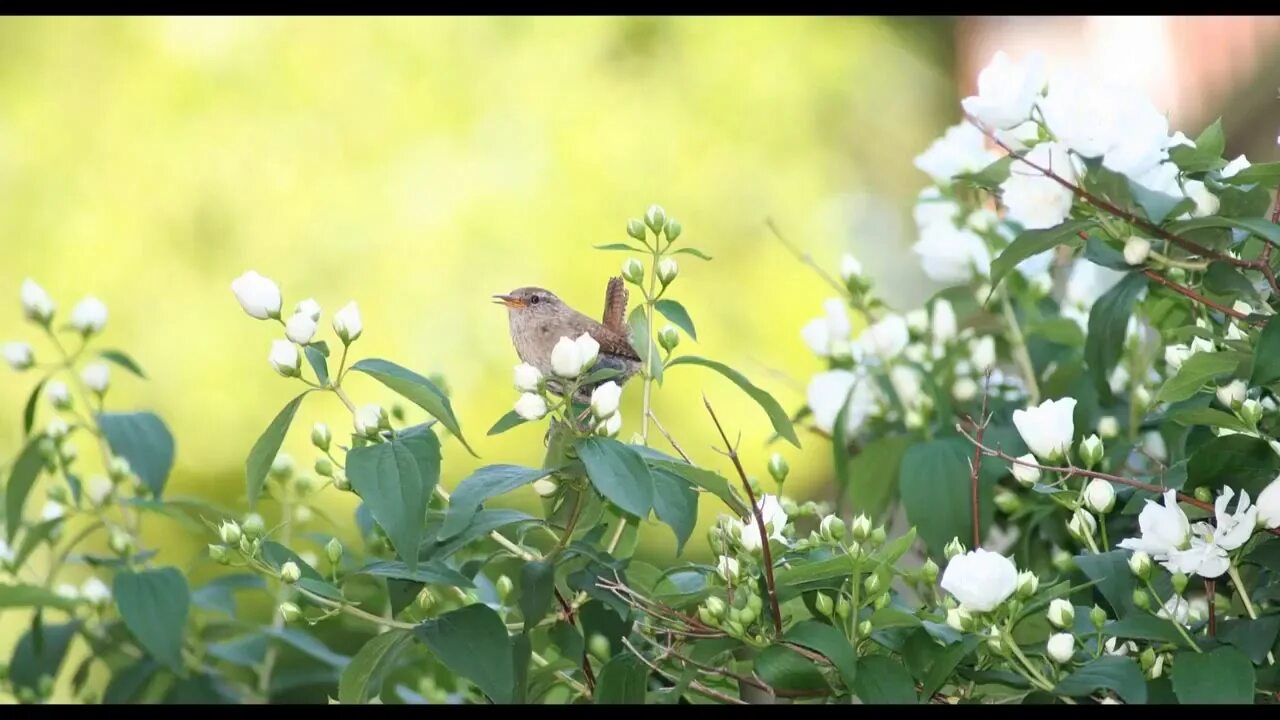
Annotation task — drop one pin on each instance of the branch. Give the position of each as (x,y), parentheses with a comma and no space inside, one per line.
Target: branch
(975,465)
(805,258)
(732,452)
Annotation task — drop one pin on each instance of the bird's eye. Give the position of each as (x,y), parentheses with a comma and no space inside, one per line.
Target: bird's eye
(535,299)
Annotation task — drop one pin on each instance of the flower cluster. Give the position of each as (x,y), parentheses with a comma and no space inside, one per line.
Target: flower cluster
(260,298)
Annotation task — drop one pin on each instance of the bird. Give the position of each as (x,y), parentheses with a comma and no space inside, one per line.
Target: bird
(538,319)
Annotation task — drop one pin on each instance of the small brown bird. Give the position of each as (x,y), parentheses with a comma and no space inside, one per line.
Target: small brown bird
(538,319)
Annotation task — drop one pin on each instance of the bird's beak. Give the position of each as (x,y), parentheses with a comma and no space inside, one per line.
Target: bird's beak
(509,301)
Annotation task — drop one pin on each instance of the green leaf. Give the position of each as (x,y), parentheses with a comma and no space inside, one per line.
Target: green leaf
(1212,140)
(883,680)
(1100,252)
(316,359)
(1110,571)
(675,502)
(1241,461)
(777,416)
(123,360)
(40,652)
(484,483)
(417,389)
(1265,174)
(22,476)
(783,668)
(990,176)
(873,473)
(936,492)
(1059,330)
(944,666)
(29,410)
(691,251)
(472,642)
(1221,677)
(264,451)
(425,572)
(396,489)
(796,575)
(642,341)
(676,313)
(364,676)
(1195,371)
(619,473)
(1108,321)
(1223,279)
(537,589)
(709,481)
(1034,242)
(506,422)
(127,684)
(1192,416)
(618,246)
(154,605)
(25,596)
(1254,638)
(833,645)
(623,681)
(1120,674)
(521,655)
(1266,356)
(1156,205)
(1261,227)
(143,440)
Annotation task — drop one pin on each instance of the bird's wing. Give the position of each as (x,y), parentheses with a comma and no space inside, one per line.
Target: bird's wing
(615,305)
(614,342)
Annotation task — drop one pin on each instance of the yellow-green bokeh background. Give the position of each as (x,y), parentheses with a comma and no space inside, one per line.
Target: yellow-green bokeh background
(420,165)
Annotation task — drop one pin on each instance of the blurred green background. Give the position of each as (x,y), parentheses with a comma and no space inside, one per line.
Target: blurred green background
(418,166)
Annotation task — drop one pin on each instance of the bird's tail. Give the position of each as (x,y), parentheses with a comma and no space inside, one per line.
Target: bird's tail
(615,305)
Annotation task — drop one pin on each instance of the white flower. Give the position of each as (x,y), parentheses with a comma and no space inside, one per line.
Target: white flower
(1206,202)
(1176,608)
(284,358)
(1088,282)
(1100,496)
(89,316)
(308,307)
(961,149)
(1204,558)
(980,580)
(1082,114)
(850,268)
(527,378)
(1142,139)
(588,351)
(931,207)
(727,568)
(982,353)
(604,399)
(1026,475)
(369,419)
(1061,613)
(1021,137)
(58,394)
(1164,528)
(51,511)
(95,591)
(1061,647)
(952,255)
(1234,167)
(564,359)
(1269,505)
(1175,355)
(96,376)
(18,355)
(347,323)
(1006,91)
(827,393)
(964,389)
(1163,179)
(1136,250)
(906,383)
(611,426)
(1108,426)
(98,489)
(1036,201)
(775,519)
(545,487)
(1048,429)
(820,334)
(886,338)
(300,328)
(1199,344)
(1113,646)
(531,406)
(259,296)
(667,270)
(36,303)
(959,619)
(943,321)
(1233,529)
(1233,393)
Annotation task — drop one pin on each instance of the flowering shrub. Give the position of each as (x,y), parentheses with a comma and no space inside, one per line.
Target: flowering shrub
(1079,431)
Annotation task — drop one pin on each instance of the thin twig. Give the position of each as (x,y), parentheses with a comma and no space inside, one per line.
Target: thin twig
(693,685)
(1209,591)
(1188,292)
(732,451)
(975,465)
(667,435)
(805,258)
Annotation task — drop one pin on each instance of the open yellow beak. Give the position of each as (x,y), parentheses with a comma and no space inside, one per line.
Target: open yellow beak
(509,301)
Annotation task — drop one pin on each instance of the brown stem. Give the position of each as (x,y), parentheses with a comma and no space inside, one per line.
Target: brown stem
(732,452)
(975,465)
(1188,292)
(667,435)
(1209,590)
(693,685)
(1072,470)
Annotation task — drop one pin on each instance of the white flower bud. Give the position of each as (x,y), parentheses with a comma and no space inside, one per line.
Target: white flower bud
(98,489)
(1028,583)
(667,270)
(635,229)
(611,425)
(290,572)
(668,338)
(727,569)
(282,465)
(1091,450)
(259,296)
(253,525)
(546,487)
(1108,427)
(308,307)
(97,377)
(1140,564)
(850,268)
(1136,250)
(960,619)
(369,419)
(18,355)
(1233,393)
(300,328)
(982,352)
(527,378)
(1082,525)
(89,316)
(656,218)
(673,229)
(964,389)
(944,321)
(229,531)
(605,398)
(588,351)
(347,323)
(1026,475)
(1061,613)
(290,612)
(1100,496)
(953,548)
(36,303)
(531,406)
(58,394)
(320,436)
(831,528)
(564,359)
(917,321)
(1061,647)
(778,468)
(284,358)
(633,271)
(861,527)
(57,428)
(1206,202)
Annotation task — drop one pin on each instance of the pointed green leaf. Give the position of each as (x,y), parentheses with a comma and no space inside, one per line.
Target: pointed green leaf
(123,360)
(417,389)
(484,483)
(619,473)
(22,476)
(33,596)
(29,410)
(676,313)
(472,642)
(1108,322)
(829,641)
(691,251)
(143,439)
(1197,370)
(675,503)
(316,359)
(364,676)
(1221,677)
(1120,674)
(623,681)
(506,422)
(777,416)
(154,605)
(395,489)
(264,451)
(1034,242)
(537,589)
(1261,227)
